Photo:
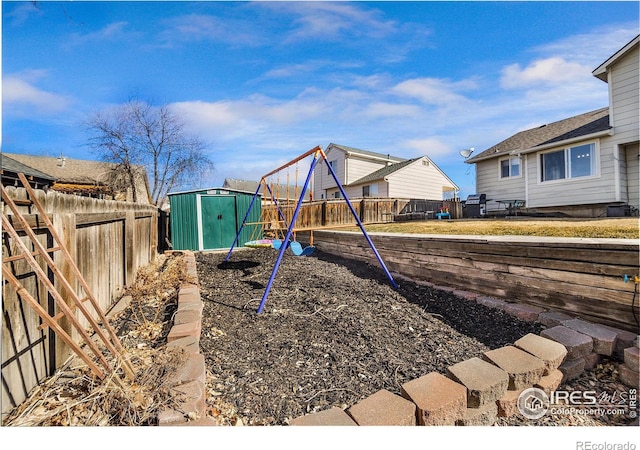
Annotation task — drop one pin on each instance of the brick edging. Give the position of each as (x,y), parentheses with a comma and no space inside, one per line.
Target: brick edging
(570,346)
(190,380)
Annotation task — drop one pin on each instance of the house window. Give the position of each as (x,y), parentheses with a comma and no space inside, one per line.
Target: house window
(510,167)
(370,190)
(571,162)
(334,166)
(336,194)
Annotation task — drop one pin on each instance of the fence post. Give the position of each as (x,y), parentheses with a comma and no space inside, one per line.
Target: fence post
(323,213)
(65,226)
(129,247)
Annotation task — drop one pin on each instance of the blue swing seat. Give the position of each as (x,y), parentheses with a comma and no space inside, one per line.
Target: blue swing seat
(297,249)
(276,243)
(295,246)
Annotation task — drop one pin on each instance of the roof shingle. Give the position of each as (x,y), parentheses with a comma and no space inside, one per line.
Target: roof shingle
(573,127)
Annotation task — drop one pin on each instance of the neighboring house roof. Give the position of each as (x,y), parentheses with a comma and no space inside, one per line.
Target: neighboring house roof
(357,151)
(582,125)
(69,171)
(385,171)
(388,170)
(601,71)
(250,187)
(14,167)
(240,185)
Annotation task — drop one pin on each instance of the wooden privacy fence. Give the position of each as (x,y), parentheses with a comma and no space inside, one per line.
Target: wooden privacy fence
(584,277)
(335,213)
(107,240)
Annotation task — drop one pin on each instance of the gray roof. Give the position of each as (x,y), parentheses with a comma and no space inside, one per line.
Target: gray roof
(249,186)
(573,127)
(11,165)
(240,185)
(78,171)
(366,152)
(67,170)
(381,173)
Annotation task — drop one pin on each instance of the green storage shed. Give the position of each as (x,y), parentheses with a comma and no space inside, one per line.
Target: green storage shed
(209,219)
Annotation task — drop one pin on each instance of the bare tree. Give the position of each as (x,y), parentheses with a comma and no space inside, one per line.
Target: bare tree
(138,136)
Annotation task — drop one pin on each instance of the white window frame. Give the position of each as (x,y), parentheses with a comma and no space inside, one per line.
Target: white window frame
(334,166)
(372,190)
(510,176)
(594,163)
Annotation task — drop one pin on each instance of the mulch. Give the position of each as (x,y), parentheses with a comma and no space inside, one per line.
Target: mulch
(333,332)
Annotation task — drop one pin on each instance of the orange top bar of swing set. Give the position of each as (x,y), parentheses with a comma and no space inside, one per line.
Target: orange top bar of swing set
(316,149)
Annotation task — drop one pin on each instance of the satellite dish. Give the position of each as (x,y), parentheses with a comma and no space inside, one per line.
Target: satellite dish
(466,153)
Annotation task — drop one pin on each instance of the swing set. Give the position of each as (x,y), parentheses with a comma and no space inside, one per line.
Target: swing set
(281,210)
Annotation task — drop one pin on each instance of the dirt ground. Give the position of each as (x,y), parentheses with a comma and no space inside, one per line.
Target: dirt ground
(333,332)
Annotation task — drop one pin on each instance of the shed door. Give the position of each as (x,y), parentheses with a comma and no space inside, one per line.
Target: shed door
(217,221)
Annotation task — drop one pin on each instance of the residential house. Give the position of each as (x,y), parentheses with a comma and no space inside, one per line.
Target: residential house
(11,168)
(368,174)
(582,166)
(86,178)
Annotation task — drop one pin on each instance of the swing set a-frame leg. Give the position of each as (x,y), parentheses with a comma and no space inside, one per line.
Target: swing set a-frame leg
(289,232)
(364,232)
(320,153)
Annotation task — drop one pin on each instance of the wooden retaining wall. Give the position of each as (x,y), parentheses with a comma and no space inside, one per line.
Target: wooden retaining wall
(583,277)
(109,241)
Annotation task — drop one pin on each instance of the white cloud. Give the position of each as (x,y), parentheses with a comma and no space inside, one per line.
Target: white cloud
(434,91)
(197,27)
(331,20)
(591,48)
(20,96)
(378,110)
(21,13)
(116,31)
(431,146)
(549,71)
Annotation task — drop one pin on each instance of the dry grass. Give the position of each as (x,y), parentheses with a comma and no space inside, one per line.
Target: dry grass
(74,397)
(617,228)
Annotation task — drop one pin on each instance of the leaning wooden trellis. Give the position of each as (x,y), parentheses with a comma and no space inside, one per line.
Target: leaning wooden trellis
(105,334)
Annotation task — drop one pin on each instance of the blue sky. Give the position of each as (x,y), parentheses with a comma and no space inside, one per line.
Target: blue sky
(263,82)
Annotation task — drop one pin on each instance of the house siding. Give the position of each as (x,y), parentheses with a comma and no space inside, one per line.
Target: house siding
(632,172)
(322,179)
(359,167)
(625,81)
(575,191)
(496,188)
(418,180)
(355,191)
